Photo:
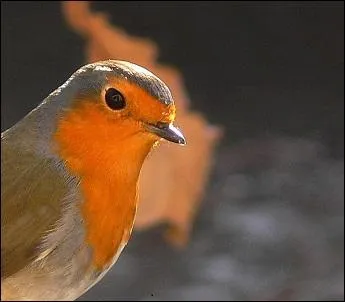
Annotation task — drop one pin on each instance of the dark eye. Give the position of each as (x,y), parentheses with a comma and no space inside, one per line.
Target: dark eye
(114,99)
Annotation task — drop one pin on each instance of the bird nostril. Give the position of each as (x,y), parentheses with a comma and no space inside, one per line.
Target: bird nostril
(162,125)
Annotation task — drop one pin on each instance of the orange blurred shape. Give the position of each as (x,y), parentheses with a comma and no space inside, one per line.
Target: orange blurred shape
(170,190)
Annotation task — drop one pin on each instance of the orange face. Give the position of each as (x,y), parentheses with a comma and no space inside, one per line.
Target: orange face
(90,126)
(105,148)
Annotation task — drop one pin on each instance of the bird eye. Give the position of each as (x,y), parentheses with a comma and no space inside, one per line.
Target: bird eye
(114,99)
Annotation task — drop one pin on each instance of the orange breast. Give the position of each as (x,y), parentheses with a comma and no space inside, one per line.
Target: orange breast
(109,214)
(108,167)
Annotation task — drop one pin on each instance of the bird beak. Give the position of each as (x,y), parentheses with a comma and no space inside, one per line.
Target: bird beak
(167,131)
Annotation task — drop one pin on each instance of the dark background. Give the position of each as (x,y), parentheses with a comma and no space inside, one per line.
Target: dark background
(272,74)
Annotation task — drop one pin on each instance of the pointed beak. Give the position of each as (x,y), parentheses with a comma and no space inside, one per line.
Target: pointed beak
(168,132)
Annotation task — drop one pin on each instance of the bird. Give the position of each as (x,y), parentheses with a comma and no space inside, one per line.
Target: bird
(69,178)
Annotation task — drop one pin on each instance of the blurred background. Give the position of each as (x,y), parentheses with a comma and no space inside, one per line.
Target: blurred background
(271,222)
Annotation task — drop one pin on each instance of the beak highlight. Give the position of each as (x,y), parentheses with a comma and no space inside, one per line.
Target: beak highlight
(168,132)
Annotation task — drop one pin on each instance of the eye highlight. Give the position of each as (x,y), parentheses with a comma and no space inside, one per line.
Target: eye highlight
(114,99)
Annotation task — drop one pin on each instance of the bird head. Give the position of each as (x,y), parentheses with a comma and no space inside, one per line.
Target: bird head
(116,112)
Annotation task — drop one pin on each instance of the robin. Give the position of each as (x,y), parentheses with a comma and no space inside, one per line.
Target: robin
(69,174)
